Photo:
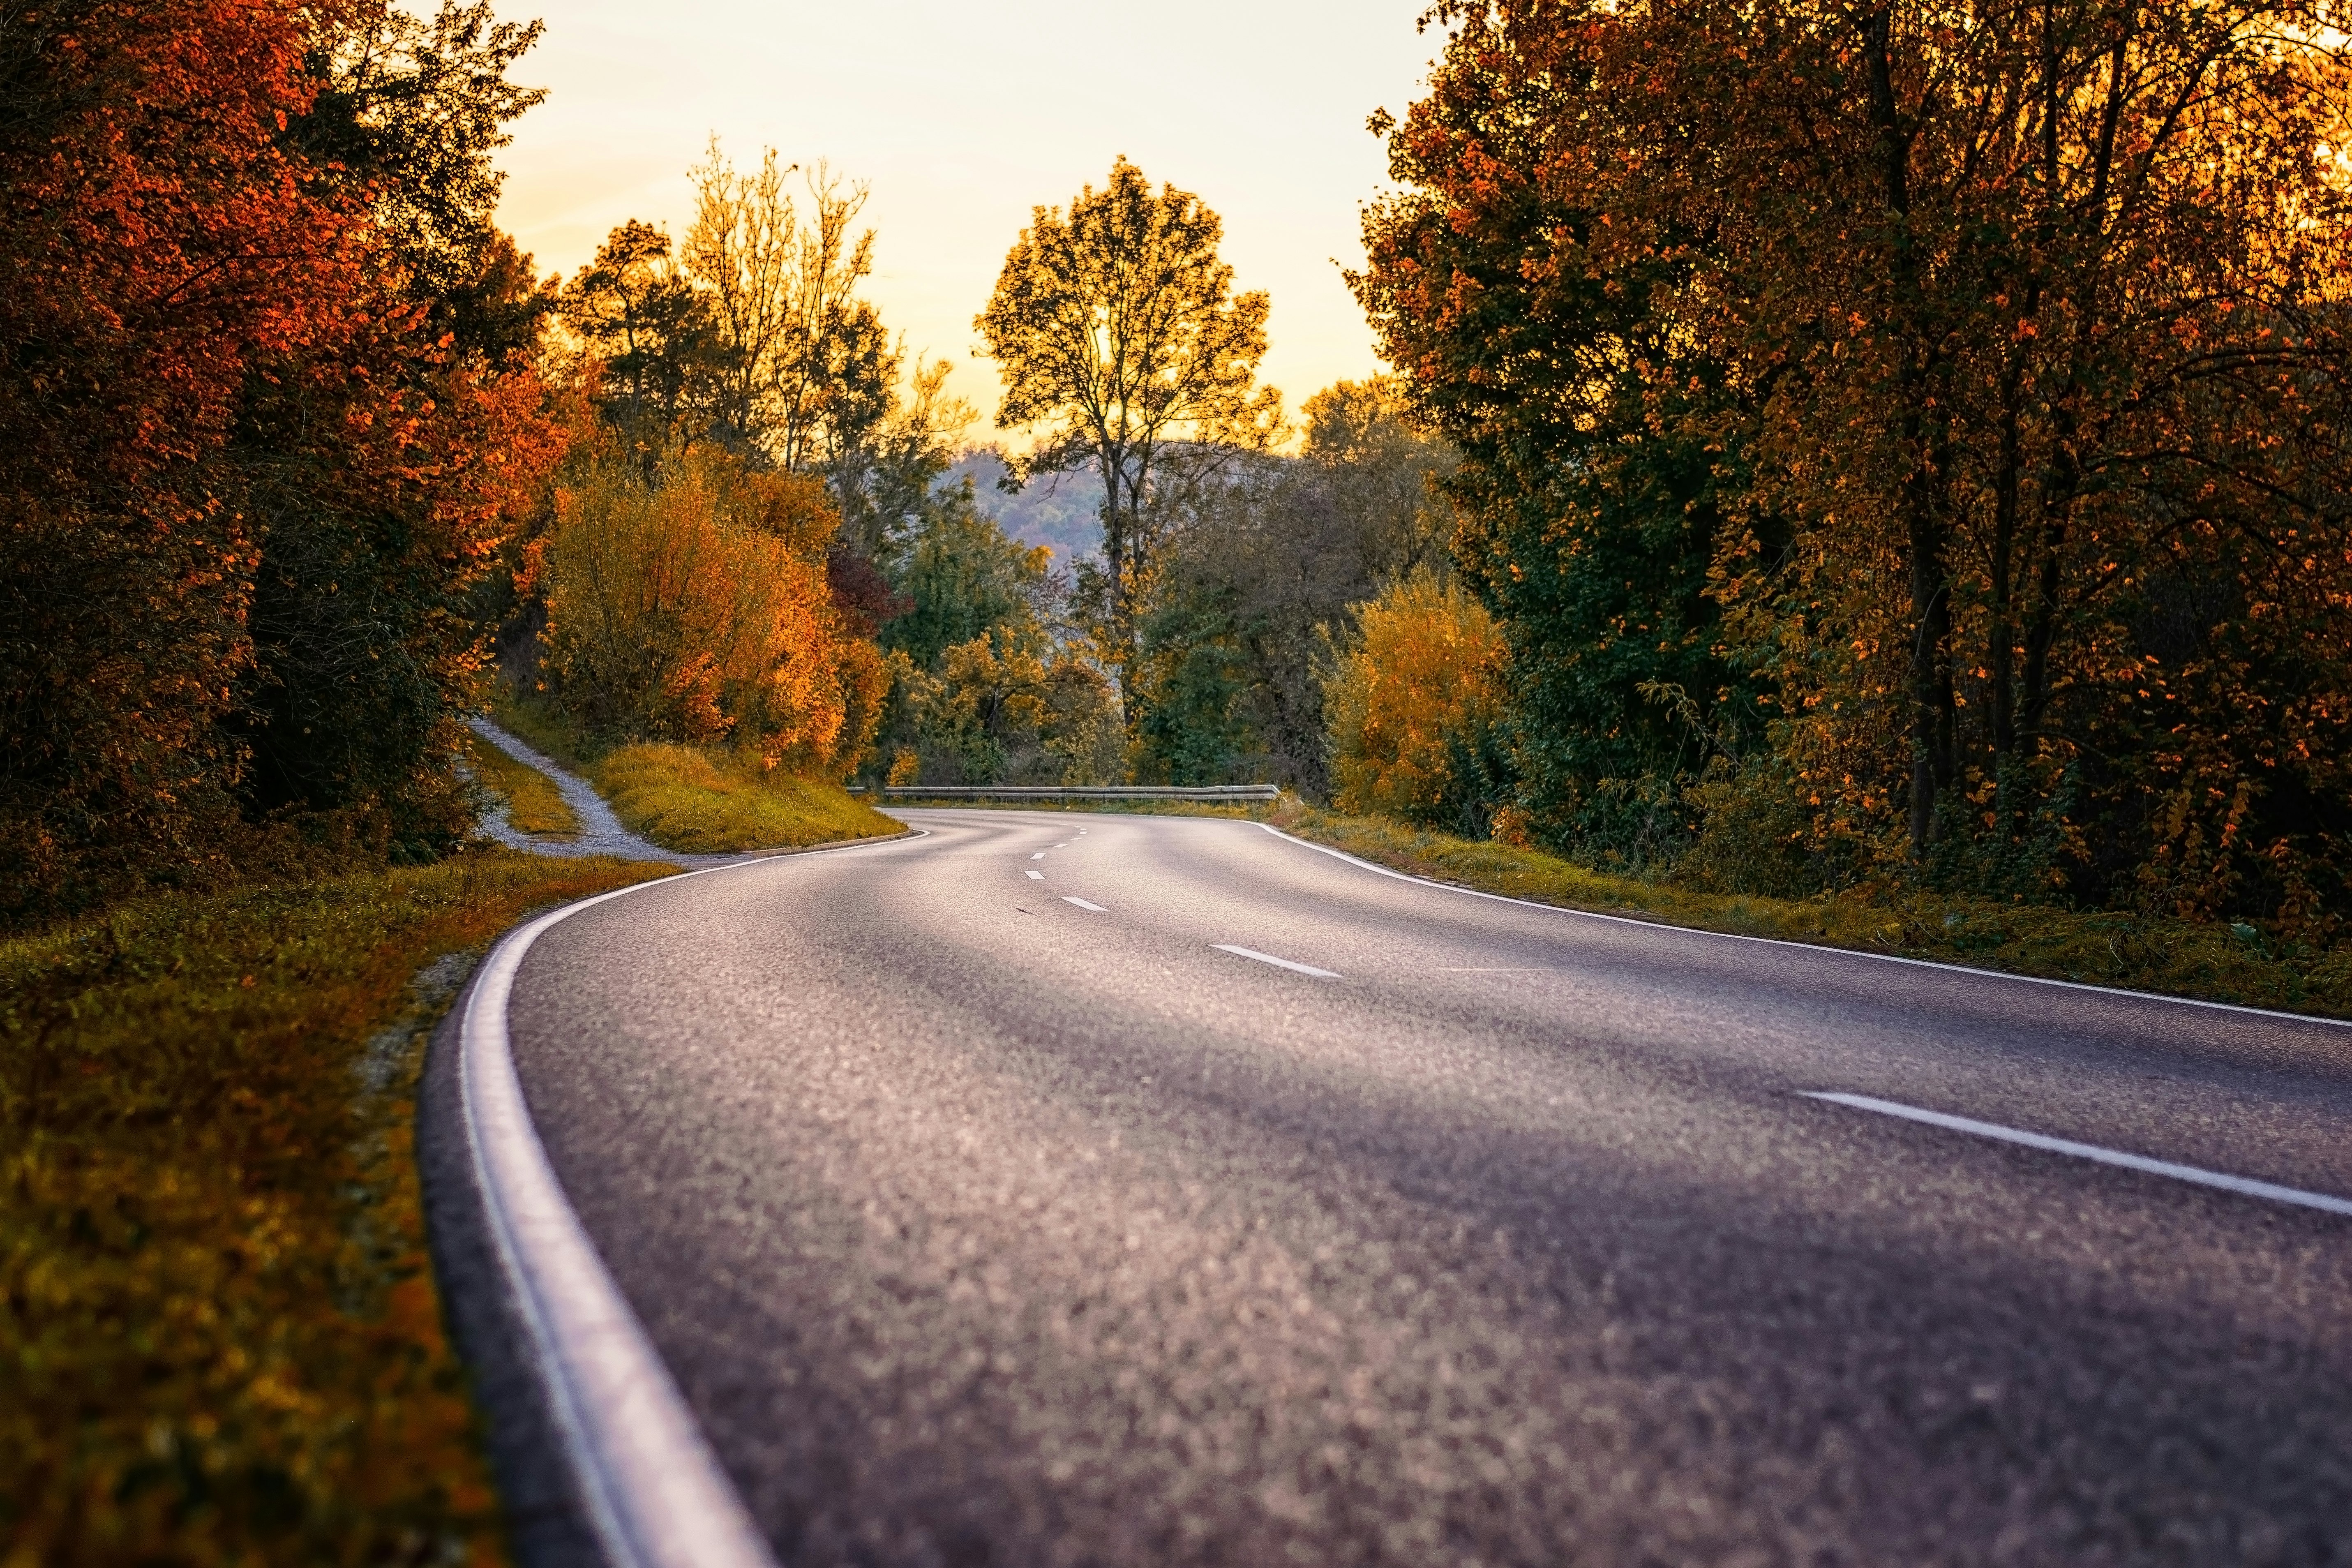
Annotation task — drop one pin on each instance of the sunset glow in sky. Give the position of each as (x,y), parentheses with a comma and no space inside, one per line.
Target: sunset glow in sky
(964,114)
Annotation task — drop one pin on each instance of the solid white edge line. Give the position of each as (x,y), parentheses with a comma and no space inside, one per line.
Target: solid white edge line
(1803,946)
(1277,962)
(655,1495)
(2244,1185)
(1082,903)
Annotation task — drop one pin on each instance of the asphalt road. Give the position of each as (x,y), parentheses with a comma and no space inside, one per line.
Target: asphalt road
(982,1225)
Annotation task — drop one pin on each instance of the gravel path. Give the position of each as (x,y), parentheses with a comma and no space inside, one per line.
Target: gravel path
(601,832)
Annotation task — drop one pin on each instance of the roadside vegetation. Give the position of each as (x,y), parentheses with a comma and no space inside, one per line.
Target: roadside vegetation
(704,803)
(698,800)
(1943,555)
(2235,962)
(221,1342)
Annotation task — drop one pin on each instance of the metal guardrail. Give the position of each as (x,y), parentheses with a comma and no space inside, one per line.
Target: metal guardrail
(1077,792)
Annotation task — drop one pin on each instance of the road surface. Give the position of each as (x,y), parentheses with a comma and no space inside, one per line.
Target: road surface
(1092,1190)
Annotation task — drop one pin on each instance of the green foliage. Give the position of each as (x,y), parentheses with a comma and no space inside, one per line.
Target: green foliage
(1264,560)
(411,109)
(221,1343)
(982,692)
(703,801)
(961,578)
(1596,445)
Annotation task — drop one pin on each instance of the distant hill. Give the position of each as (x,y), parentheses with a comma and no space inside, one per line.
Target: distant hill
(1064,513)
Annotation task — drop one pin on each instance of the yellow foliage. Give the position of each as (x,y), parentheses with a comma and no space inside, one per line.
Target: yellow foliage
(1413,700)
(701,801)
(700,611)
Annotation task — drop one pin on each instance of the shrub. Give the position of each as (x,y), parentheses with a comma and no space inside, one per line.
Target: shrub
(699,610)
(1414,708)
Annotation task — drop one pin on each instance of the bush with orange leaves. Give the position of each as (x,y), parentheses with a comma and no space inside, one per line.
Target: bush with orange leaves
(1412,707)
(697,609)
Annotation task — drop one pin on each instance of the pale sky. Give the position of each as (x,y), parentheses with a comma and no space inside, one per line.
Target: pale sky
(962,117)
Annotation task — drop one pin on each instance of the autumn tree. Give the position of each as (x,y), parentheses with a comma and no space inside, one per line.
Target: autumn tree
(1119,338)
(751,332)
(158,241)
(247,463)
(2005,350)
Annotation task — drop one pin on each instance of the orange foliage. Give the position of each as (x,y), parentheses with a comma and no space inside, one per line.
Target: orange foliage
(701,611)
(155,243)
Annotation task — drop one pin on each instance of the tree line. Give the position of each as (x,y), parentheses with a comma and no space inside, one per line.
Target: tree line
(1822,449)
(1900,443)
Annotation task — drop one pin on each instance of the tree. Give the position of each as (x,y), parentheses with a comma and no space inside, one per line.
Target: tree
(409,111)
(2003,351)
(1414,703)
(1596,432)
(1118,335)
(645,321)
(1260,566)
(157,241)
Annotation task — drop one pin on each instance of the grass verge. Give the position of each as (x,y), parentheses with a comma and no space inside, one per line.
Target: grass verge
(2179,958)
(219,1339)
(534,805)
(699,802)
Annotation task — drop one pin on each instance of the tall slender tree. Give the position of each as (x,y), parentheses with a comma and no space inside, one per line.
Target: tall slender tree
(1118,334)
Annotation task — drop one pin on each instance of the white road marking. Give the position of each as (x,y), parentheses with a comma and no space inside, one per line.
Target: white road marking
(1363,865)
(1063,845)
(1034,875)
(1039,856)
(1084,905)
(2228,1184)
(1277,962)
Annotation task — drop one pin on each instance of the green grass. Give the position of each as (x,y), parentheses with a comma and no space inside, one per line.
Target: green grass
(2179,958)
(701,803)
(219,1340)
(534,805)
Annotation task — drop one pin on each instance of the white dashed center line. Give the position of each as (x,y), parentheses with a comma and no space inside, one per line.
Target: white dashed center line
(1277,962)
(1034,875)
(1039,856)
(2228,1184)
(1084,905)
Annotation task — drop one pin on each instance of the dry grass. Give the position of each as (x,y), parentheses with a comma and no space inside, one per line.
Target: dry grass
(2179,958)
(219,1340)
(700,803)
(534,805)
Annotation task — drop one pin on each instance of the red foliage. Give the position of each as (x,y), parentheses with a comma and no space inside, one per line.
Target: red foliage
(154,244)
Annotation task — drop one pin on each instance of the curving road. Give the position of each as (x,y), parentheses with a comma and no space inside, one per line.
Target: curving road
(991,1208)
